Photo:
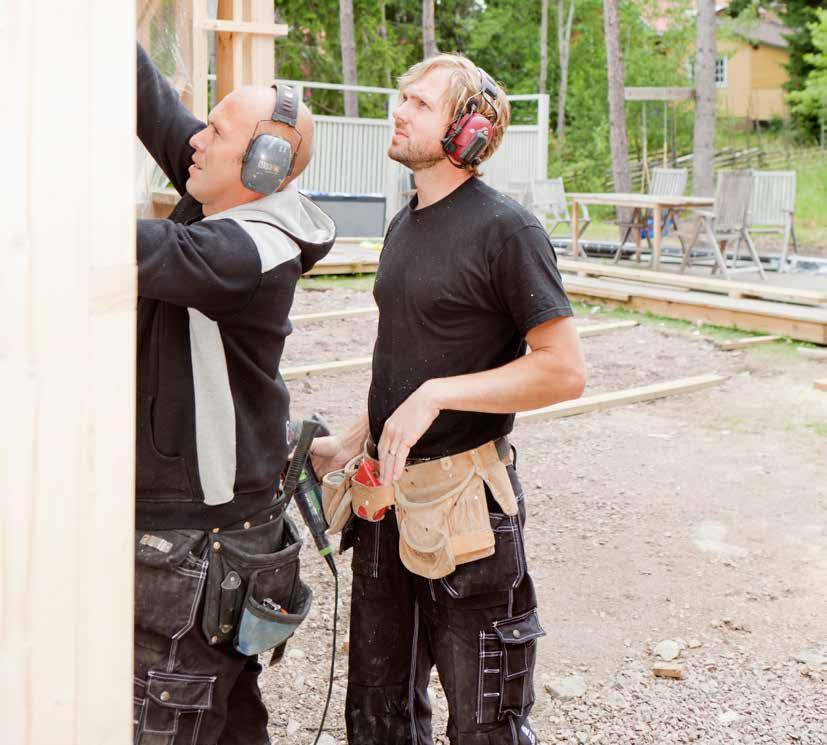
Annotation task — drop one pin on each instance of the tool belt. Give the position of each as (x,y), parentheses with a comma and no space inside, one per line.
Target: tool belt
(440,505)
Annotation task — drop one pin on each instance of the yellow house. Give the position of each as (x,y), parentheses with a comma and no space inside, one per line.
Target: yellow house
(751,70)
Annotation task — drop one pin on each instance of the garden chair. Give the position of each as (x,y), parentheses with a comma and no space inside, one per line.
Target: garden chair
(727,221)
(669,182)
(548,199)
(773,209)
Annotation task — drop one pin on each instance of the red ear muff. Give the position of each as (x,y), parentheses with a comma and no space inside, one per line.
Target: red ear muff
(467,138)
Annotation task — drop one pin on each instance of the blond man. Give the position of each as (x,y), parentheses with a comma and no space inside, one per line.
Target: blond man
(467,279)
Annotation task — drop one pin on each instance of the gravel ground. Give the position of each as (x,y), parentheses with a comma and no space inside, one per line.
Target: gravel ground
(699,519)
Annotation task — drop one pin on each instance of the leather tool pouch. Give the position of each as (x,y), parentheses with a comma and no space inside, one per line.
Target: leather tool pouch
(254,600)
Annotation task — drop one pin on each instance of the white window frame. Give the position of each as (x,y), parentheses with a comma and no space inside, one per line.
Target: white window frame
(724,67)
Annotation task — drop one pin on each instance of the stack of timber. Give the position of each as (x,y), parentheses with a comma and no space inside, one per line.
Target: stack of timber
(783,311)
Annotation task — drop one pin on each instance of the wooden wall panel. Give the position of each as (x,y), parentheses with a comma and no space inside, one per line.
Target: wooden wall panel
(67,373)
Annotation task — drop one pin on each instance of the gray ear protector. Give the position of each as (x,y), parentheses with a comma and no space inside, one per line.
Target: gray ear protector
(268,160)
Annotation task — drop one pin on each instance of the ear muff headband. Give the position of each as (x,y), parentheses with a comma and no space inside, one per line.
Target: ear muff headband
(470,132)
(269,159)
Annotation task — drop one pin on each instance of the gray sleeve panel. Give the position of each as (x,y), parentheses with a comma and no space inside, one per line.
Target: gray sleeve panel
(215,421)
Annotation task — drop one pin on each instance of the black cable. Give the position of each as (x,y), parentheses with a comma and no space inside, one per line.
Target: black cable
(332,656)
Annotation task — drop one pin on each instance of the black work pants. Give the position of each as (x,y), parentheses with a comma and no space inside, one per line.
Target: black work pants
(478,625)
(191,686)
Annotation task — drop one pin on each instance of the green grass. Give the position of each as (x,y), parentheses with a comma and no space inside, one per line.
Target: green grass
(818,428)
(811,217)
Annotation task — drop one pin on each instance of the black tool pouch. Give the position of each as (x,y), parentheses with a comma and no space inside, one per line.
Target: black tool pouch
(254,600)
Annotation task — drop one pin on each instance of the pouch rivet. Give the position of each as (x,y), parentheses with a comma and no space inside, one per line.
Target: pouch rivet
(215,530)
(247,525)
(213,640)
(165,696)
(216,546)
(516,633)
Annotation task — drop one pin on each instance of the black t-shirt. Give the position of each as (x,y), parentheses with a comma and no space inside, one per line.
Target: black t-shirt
(459,285)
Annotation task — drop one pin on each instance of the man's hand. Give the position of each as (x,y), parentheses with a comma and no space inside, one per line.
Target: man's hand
(403,429)
(328,454)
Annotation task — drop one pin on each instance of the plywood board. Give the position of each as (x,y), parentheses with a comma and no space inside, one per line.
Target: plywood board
(820,355)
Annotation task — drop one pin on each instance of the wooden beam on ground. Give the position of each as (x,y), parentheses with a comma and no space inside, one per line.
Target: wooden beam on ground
(603,328)
(333,315)
(784,319)
(729,345)
(325,368)
(820,355)
(821,385)
(603,401)
(692,282)
(358,363)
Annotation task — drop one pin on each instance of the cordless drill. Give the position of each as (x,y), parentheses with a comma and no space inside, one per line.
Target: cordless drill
(303,485)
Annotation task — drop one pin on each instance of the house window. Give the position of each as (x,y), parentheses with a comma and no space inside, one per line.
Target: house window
(720,72)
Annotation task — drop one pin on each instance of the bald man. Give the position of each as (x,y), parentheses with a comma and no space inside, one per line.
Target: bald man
(216,570)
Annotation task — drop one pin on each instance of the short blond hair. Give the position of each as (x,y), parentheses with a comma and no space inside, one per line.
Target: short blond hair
(465,85)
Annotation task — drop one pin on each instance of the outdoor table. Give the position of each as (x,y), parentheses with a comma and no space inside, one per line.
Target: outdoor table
(637,203)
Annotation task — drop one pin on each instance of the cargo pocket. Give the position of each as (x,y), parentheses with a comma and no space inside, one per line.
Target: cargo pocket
(518,637)
(168,696)
(157,474)
(500,572)
(169,579)
(506,667)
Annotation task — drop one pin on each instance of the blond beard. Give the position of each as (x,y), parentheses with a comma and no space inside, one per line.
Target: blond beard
(416,158)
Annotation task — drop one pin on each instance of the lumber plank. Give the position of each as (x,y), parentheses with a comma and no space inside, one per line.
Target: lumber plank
(275,30)
(704,284)
(333,315)
(820,355)
(301,371)
(603,328)
(821,385)
(603,401)
(750,341)
(784,319)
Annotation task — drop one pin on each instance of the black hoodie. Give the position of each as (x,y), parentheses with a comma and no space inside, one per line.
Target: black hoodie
(213,301)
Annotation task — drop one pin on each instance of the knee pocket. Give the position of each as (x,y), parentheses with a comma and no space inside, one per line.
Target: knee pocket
(506,667)
(165,702)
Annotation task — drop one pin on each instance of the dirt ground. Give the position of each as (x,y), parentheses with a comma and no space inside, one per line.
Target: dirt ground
(700,518)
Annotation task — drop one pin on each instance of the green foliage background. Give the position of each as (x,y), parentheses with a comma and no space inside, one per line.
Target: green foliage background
(503,37)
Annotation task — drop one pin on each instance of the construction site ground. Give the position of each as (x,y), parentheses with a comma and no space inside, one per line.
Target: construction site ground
(699,519)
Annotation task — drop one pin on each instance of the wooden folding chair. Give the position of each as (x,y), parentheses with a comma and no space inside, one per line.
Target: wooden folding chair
(773,209)
(548,199)
(727,221)
(670,182)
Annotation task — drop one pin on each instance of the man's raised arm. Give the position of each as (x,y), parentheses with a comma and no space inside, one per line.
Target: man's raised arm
(164,124)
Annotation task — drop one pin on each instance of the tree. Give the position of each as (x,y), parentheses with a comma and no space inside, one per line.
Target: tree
(543,85)
(348,43)
(705,101)
(563,47)
(811,100)
(429,47)
(617,103)
(798,16)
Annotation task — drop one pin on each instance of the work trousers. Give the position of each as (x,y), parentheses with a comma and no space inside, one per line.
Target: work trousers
(478,626)
(191,687)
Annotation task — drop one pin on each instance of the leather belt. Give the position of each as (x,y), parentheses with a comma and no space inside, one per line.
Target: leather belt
(501,443)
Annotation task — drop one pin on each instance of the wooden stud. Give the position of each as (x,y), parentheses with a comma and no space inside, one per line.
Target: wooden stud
(820,355)
(325,368)
(602,328)
(603,401)
(333,315)
(729,345)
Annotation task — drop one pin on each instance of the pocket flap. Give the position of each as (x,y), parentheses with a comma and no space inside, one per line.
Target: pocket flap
(179,690)
(520,629)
